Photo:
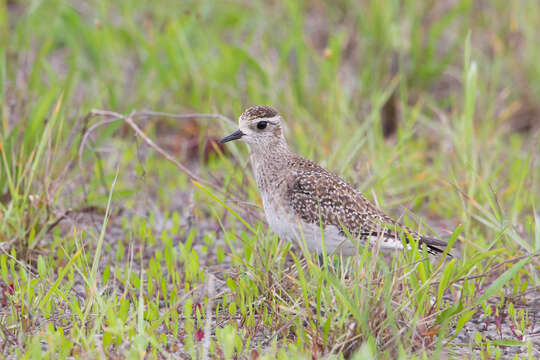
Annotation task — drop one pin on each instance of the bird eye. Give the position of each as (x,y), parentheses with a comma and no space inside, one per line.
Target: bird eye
(262,124)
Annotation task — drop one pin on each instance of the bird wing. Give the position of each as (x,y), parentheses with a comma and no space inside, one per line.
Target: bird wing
(338,204)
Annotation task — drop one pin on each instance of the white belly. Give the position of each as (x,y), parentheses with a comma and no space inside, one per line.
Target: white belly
(290,228)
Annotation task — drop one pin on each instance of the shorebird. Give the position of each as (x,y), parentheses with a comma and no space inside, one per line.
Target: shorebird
(304,202)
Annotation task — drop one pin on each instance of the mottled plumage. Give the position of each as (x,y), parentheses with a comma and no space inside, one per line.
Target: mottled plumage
(256,112)
(300,197)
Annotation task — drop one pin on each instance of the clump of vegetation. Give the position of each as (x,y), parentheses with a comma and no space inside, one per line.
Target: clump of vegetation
(110,249)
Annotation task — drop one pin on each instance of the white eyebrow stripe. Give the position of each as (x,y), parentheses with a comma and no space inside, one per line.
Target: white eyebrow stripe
(272,120)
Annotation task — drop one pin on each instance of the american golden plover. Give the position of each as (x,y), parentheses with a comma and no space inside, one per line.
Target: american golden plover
(300,198)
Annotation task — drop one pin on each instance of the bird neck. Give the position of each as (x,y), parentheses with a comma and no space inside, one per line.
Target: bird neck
(269,162)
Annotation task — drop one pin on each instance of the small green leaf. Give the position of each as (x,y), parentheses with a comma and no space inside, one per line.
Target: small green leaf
(464,319)
(451,311)
(507,342)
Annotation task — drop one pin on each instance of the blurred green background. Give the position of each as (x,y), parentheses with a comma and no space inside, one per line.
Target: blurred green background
(429,107)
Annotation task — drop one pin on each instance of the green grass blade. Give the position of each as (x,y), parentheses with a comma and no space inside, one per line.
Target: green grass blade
(502,280)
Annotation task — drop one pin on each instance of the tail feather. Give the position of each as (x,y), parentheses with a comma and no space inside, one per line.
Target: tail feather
(435,246)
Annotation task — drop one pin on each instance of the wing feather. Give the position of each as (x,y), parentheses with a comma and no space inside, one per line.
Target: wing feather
(316,194)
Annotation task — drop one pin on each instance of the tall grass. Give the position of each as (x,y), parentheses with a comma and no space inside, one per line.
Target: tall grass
(120,256)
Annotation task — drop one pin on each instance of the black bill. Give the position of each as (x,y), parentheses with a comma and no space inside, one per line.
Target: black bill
(234,136)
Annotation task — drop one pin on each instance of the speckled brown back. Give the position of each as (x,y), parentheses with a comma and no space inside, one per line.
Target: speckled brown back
(319,196)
